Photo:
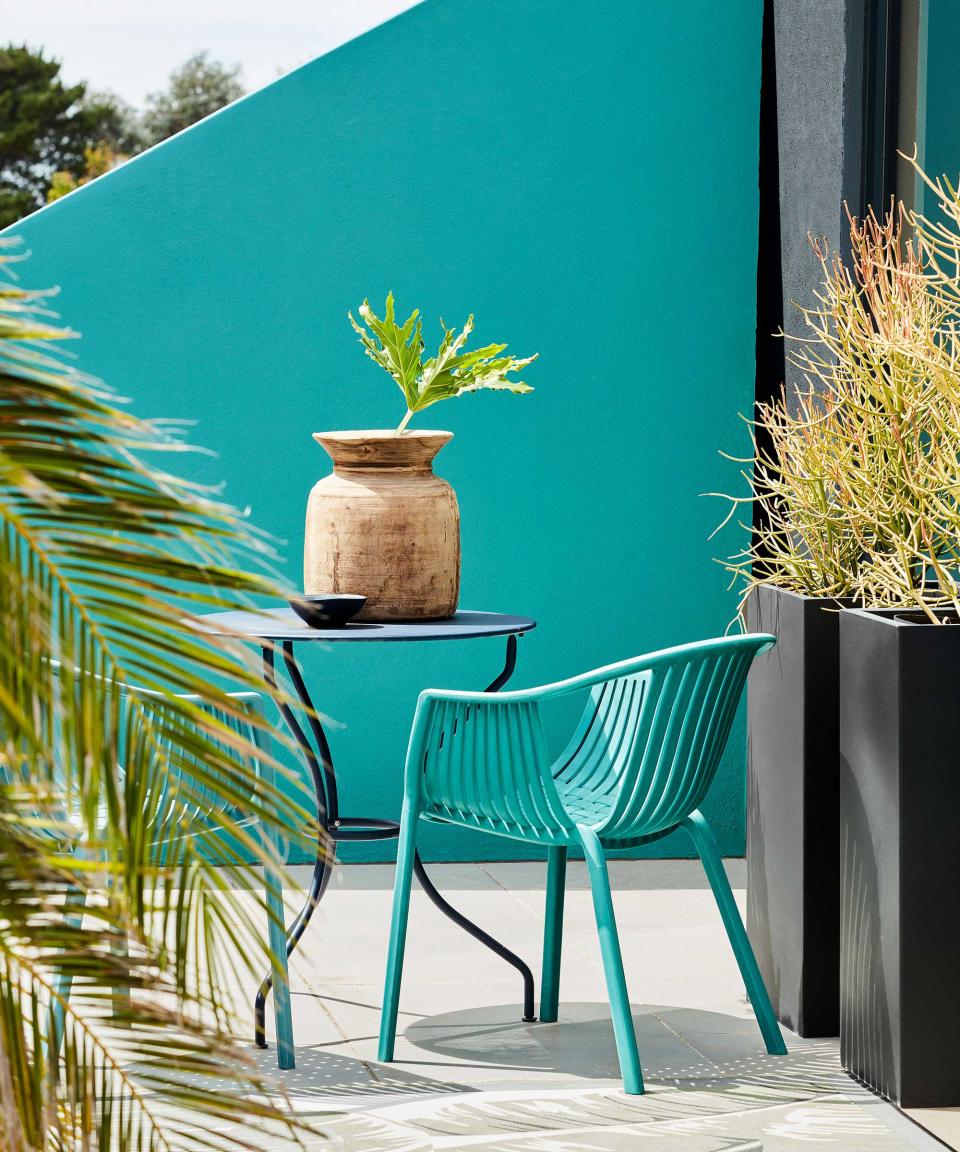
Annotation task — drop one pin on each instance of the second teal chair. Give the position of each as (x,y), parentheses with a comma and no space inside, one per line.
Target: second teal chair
(637,767)
(247,723)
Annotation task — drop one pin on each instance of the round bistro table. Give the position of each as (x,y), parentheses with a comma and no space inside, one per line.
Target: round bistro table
(279,629)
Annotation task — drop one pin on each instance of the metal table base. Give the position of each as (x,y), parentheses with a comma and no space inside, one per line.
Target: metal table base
(334,828)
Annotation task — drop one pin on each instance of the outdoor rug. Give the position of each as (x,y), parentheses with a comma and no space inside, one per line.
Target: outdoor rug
(810,1104)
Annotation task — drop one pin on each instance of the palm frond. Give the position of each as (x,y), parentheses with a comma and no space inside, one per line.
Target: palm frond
(121,731)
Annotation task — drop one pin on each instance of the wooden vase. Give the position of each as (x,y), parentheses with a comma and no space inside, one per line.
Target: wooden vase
(384,526)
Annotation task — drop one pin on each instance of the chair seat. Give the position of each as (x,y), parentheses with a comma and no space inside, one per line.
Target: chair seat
(590,807)
(585,805)
(588,799)
(445,814)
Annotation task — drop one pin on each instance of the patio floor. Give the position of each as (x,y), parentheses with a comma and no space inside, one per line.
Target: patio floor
(470,1073)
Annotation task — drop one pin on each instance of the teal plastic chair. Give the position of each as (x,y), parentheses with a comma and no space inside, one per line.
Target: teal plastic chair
(637,767)
(250,706)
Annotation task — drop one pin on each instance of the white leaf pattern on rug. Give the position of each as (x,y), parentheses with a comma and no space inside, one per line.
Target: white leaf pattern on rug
(727,1116)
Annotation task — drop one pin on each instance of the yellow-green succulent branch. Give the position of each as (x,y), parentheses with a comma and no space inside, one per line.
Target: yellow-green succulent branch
(858,470)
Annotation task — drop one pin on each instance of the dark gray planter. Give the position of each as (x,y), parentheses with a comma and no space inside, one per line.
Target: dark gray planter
(793,844)
(900,835)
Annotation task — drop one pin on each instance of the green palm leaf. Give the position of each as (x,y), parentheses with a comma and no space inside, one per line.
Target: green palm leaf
(102,556)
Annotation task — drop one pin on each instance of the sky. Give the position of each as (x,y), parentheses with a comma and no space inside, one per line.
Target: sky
(131,46)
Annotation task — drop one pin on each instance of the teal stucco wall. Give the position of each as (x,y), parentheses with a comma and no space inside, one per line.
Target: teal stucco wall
(581,176)
(939,134)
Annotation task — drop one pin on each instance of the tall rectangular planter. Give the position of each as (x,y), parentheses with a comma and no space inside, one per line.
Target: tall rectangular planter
(900,844)
(793,853)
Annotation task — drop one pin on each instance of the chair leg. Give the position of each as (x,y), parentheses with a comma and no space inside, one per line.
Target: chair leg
(403,882)
(623,1031)
(706,846)
(283,1013)
(73,906)
(553,934)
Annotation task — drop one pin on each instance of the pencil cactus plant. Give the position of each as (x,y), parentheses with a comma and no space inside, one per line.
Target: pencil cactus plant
(859,476)
(399,348)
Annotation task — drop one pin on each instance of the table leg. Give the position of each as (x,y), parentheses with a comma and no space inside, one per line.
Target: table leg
(458,918)
(331,827)
(478,934)
(325,789)
(509,664)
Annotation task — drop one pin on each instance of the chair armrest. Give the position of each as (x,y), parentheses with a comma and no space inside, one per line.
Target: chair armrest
(538,693)
(760,642)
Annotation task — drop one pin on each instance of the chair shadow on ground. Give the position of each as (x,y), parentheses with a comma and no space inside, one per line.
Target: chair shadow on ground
(675,1044)
(327,1076)
(683,1047)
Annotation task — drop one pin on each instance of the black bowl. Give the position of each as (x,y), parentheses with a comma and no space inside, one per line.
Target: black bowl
(327,609)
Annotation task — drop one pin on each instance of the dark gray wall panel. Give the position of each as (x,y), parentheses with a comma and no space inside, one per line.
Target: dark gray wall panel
(819,83)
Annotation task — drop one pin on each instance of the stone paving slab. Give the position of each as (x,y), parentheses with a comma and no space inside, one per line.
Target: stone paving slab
(467,1065)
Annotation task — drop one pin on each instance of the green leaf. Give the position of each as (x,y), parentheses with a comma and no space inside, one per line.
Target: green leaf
(397,349)
(477,371)
(102,555)
(438,368)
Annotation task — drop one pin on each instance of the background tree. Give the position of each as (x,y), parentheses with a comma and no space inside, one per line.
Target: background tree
(120,137)
(45,127)
(196,89)
(118,124)
(98,160)
(55,137)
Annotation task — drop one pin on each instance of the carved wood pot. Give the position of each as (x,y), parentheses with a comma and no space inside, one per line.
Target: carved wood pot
(384,526)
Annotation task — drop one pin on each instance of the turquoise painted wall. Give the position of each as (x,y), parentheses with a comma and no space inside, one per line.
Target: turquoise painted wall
(940,133)
(584,179)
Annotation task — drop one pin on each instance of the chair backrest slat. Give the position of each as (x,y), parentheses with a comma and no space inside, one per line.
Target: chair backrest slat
(650,741)
(607,734)
(713,691)
(680,741)
(488,766)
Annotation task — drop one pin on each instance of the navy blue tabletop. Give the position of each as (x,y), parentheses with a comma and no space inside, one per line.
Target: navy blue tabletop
(284,624)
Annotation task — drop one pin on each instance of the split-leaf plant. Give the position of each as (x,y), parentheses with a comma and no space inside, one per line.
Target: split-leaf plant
(399,348)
